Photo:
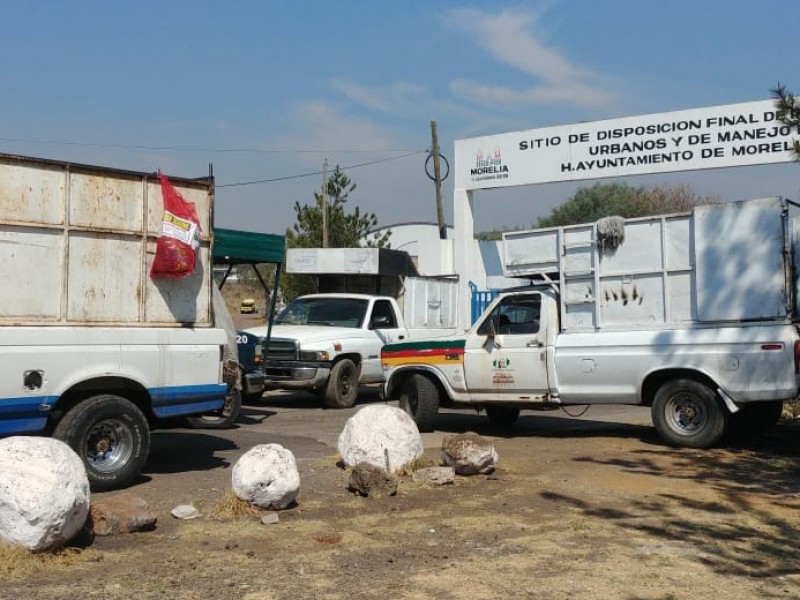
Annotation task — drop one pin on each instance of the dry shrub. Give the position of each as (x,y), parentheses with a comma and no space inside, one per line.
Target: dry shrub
(421,462)
(233,507)
(791,409)
(17,562)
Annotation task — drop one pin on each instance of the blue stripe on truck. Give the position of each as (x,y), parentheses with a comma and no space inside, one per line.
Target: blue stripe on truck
(187,399)
(22,415)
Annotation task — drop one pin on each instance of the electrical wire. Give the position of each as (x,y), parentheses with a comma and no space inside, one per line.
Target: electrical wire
(190,149)
(231,150)
(300,175)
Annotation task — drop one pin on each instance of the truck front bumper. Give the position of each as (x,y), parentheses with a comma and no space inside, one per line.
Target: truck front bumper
(295,375)
(253,383)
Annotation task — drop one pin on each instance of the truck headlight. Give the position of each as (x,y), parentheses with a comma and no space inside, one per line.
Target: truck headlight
(313,355)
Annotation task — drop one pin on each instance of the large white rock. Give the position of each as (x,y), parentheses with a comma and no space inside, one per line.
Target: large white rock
(44,492)
(267,476)
(380,435)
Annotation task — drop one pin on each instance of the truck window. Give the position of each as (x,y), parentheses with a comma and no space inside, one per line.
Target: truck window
(383,316)
(515,315)
(324,311)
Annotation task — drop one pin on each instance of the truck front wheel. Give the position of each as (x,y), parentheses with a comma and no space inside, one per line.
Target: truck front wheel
(342,388)
(420,399)
(688,413)
(112,438)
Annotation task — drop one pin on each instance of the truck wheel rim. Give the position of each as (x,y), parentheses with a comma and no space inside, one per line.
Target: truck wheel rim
(685,415)
(346,383)
(109,445)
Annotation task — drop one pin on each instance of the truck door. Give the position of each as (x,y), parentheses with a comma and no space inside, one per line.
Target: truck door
(383,323)
(505,354)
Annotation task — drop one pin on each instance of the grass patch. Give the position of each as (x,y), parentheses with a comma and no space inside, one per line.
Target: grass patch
(19,563)
(233,507)
(423,461)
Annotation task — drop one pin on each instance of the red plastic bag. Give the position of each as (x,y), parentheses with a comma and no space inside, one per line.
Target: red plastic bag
(180,235)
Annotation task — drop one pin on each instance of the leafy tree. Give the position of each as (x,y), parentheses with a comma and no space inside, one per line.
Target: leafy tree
(788,106)
(604,200)
(345,230)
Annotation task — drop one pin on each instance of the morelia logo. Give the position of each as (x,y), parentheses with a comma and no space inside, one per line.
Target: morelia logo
(489,166)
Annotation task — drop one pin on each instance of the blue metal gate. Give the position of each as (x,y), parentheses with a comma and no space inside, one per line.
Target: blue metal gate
(480,300)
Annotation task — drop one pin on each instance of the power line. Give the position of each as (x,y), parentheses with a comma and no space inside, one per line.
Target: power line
(300,175)
(190,149)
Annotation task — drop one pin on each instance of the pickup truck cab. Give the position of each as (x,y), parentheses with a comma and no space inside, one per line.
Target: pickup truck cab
(694,378)
(326,344)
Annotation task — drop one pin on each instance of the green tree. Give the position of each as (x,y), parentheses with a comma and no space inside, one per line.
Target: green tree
(345,230)
(788,107)
(603,200)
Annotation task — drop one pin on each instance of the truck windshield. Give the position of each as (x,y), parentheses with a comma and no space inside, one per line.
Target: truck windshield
(331,312)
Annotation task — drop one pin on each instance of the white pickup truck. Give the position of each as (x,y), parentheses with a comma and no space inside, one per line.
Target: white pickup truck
(93,351)
(690,314)
(328,344)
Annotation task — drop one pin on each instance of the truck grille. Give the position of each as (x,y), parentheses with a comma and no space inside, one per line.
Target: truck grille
(281,349)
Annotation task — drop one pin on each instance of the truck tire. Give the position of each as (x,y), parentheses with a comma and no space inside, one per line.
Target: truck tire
(225,418)
(502,417)
(112,438)
(342,388)
(420,399)
(687,413)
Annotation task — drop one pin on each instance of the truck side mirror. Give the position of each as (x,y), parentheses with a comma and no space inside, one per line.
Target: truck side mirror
(491,334)
(379,322)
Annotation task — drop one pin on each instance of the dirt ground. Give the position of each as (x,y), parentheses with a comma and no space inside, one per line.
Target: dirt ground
(605,513)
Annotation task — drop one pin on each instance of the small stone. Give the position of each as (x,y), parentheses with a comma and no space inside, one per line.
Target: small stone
(435,475)
(185,511)
(270,519)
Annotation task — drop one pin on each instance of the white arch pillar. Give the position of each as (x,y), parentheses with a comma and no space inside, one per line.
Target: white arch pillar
(463,236)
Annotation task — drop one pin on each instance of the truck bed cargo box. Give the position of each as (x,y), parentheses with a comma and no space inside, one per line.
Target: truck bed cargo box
(77,243)
(721,262)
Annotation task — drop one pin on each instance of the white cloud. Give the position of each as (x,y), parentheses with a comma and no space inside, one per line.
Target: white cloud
(324,128)
(512,38)
(397,96)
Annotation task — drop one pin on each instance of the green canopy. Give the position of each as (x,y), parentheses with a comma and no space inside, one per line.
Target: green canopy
(231,247)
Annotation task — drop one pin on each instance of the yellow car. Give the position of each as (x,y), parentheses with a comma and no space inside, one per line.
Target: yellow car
(247,306)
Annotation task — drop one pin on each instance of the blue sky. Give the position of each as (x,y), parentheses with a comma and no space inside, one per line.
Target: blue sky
(268,90)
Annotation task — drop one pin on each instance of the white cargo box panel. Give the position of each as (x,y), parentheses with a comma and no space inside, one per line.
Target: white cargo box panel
(316,261)
(429,302)
(723,262)
(77,243)
(794,233)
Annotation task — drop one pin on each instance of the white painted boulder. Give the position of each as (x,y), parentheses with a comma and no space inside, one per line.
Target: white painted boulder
(44,493)
(267,476)
(382,436)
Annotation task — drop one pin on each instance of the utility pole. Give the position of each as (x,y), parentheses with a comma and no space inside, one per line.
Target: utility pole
(437,180)
(325,204)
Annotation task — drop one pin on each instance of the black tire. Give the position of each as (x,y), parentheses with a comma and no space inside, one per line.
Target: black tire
(112,438)
(689,414)
(420,399)
(342,389)
(502,417)
(225,418)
